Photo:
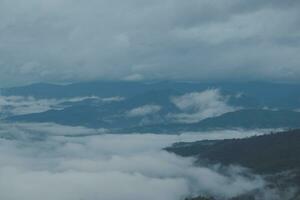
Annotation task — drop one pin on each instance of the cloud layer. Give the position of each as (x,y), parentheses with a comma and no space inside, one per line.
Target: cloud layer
(72,40)
(144,111)
(197,106)
(19,105)
(112,167)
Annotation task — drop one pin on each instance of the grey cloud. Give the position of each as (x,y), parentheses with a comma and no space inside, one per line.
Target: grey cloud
(74,40)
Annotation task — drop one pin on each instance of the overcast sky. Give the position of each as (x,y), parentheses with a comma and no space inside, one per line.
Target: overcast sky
(75,40)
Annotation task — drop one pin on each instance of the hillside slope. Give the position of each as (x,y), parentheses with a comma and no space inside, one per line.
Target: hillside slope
(271,153)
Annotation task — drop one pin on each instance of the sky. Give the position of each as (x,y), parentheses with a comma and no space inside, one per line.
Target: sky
(215,40)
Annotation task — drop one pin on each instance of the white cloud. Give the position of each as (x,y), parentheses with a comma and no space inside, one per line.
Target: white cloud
(23,105)
(144,110)
(197,106)
(112,99)
(110,167)
(18,105)
(45,129)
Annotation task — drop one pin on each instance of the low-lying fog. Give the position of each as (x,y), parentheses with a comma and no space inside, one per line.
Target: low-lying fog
(49,161)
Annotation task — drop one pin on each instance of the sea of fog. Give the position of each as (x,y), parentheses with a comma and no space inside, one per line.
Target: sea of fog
(49,161)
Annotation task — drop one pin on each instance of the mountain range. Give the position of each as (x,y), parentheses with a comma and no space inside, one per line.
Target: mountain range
(150,106)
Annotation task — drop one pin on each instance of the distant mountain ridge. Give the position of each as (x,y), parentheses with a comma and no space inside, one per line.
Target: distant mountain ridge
(95,118)
(254,105)
(252,94)
(245,119)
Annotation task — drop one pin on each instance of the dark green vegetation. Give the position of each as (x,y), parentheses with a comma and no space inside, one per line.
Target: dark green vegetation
(264,154)
(274,156)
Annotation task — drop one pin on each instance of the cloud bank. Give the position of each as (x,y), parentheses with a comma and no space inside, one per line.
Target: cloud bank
(111,167)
